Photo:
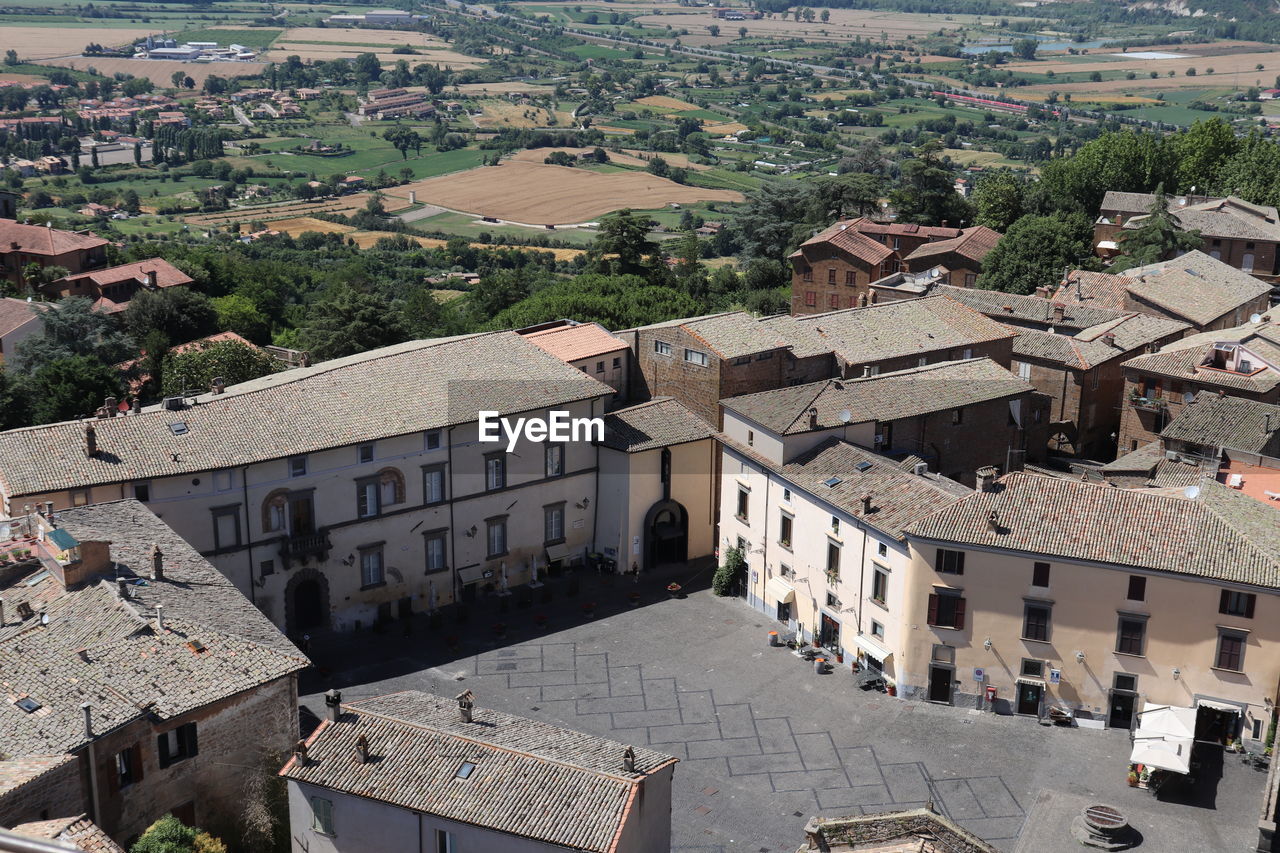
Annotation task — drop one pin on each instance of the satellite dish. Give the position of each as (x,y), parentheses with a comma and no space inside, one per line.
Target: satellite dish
(1188,397)
(1191,492)
(846,416)
(1255,318)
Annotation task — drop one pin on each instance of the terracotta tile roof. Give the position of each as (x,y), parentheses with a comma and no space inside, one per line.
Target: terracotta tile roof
(886,397)
(1015,308)
(15,313)
(905,229)
(93,642)
(845,237)
(1231,422)
(897,329)
(167,275)
(1090,347)
(1093,289)
(734,334)
(39,240)
(531,779)
(396,390)
(1220,534)
(974,245)
(16,772)
(1183,359)
(660,422)
(79,832)
(1195,286)
(572,343)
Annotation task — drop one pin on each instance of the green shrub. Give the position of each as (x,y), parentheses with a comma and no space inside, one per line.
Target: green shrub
(729,573)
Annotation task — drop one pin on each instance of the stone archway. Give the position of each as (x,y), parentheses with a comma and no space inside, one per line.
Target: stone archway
(306,602)
(666,527)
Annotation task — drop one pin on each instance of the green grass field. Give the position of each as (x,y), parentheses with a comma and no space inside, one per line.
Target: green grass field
(470,226)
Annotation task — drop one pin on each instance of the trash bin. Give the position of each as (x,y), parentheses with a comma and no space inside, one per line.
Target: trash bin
(773,638)
(820,665)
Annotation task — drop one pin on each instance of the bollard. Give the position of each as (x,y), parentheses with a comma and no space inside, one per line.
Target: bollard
(819,665)
(773,638)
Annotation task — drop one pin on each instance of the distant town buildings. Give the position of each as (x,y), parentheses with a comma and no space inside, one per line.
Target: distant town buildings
(384,104)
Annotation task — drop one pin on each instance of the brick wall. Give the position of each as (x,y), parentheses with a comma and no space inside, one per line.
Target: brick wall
(59,792)
(1139,426)
(827,285)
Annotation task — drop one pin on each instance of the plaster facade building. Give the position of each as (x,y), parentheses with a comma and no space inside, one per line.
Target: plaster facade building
(1052,591)
(86,730)
(589,347)
(21,245)
(111,288)
(19,320)
(413,772)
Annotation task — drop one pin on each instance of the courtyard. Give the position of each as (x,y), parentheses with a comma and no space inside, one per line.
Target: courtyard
(763,741)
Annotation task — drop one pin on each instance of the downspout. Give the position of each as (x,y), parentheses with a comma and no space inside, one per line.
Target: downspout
(86,709)
(595,510)
(453,536)
(862,574)
(248,532)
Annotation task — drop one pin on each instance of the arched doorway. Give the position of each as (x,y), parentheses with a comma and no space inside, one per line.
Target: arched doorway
(666,534)
(307,602)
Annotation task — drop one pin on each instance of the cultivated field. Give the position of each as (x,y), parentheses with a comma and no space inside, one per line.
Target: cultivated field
(844,25)
(662,101)
(53,41)
(288,211)
(318,43)
(539,194)
(158,70)
(629,158)
(499,113)
(724,129)
(503,87)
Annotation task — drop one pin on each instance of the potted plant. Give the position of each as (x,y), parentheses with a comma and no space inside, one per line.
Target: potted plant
(633,598)
(500,629)
(589,609)
(1133,778)
(540,620)
(673,589)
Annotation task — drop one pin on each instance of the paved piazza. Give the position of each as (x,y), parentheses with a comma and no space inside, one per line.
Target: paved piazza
(765,742)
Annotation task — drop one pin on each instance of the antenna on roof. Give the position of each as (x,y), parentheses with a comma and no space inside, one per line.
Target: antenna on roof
(846,416)
(1191,492)
(1255,318)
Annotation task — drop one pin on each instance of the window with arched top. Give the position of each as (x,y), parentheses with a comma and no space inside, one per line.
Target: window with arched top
(275,510)
(390,486)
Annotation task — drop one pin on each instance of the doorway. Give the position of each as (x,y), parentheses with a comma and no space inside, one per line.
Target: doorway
(829,633)
(667,525)
(1029,696)
(1121,715)
(784,611)
(940,683)
(308,605)
(302,519)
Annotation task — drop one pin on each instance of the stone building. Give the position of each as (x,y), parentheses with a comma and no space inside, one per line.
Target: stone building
(21,245)
(413,772)
(88,594)
(111,288)
(590,348)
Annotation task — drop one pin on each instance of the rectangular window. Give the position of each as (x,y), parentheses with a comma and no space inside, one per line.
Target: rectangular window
(786,571)
(880,586)
(266,567)
(751,438)
(1032,668)
(744,503)
(942,653)
(1035,621)
(1137,588)
(833,301)
(957,416)
(495,472)
(433,485)
(835,526)
(368,498)
(177,745)
(599,367)
(1040,574)
(742,359)
(142,492)
(1131,635)
(810,298)
(496,536)
(694,356)
(877,630)
(80,497)
(831,276)
(553,458)
(1230,651)
(553,524)
(445,842)
(848,277)
(371,573)
(784,530)
(322,815)
(433,440)
(832,600)
(1234,603)
(662,347)
(808,275)
(364,453)
(298,466)
(129,766)
(946,610)
(833,561)
(950,562)
(1125,682)
(226,527)
(617,363)
(882,550)
(437,551)
(1024,369)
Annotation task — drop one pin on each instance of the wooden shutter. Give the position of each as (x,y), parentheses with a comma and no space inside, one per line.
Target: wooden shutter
(1224,601)
(113,774)
(162,750)
(959,613)
(960,562)
(135,762)
(1248,605)
(187,735)
(933,609)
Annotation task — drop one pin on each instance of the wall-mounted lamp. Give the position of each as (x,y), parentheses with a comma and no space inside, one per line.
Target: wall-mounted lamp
(1266,703)
(470,533)
(1079,657)
(1176,672)
(584,503)
(986,644)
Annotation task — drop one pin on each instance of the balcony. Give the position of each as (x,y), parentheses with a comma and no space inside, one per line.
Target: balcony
(1148,404)
(305,546)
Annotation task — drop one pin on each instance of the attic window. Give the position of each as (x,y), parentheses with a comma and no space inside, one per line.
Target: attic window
(831,482)
(28,704)
(178,428)
(465,771)
(862,466)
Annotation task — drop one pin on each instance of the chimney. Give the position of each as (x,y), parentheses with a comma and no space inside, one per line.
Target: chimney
(866,371)
(110,405)
(866,504)
(466,705)
(1,612)
(1109,339)
(48,509)
(160,618)
(122,587)
(157,562)
(986,479)
(993,519)
(219,385)
(300,753)
(90,441)
(87,710)
(333,704)
(136,406)
(1059,313)
(151,278)
(362,750)
(1043,292)
(629,759)
(813,418)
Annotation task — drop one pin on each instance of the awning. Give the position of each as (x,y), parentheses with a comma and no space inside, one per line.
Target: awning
(1164,736)
(1218,706)
(1169,754)
(1030,682)
(872,648)
(558,552)
(776,589)
(1108,244)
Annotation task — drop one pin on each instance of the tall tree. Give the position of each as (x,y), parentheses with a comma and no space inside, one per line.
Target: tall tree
(349,321)
(622,243)
(926,193)
(198,366)
(181,313)
(72,328)
(998,198)
(1159,237)
(1035,251)
(71,387)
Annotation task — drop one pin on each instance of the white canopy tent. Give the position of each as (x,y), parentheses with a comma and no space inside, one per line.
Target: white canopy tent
(1164,737)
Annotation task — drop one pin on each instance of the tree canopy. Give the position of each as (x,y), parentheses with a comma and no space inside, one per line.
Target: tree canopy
(1035,251)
